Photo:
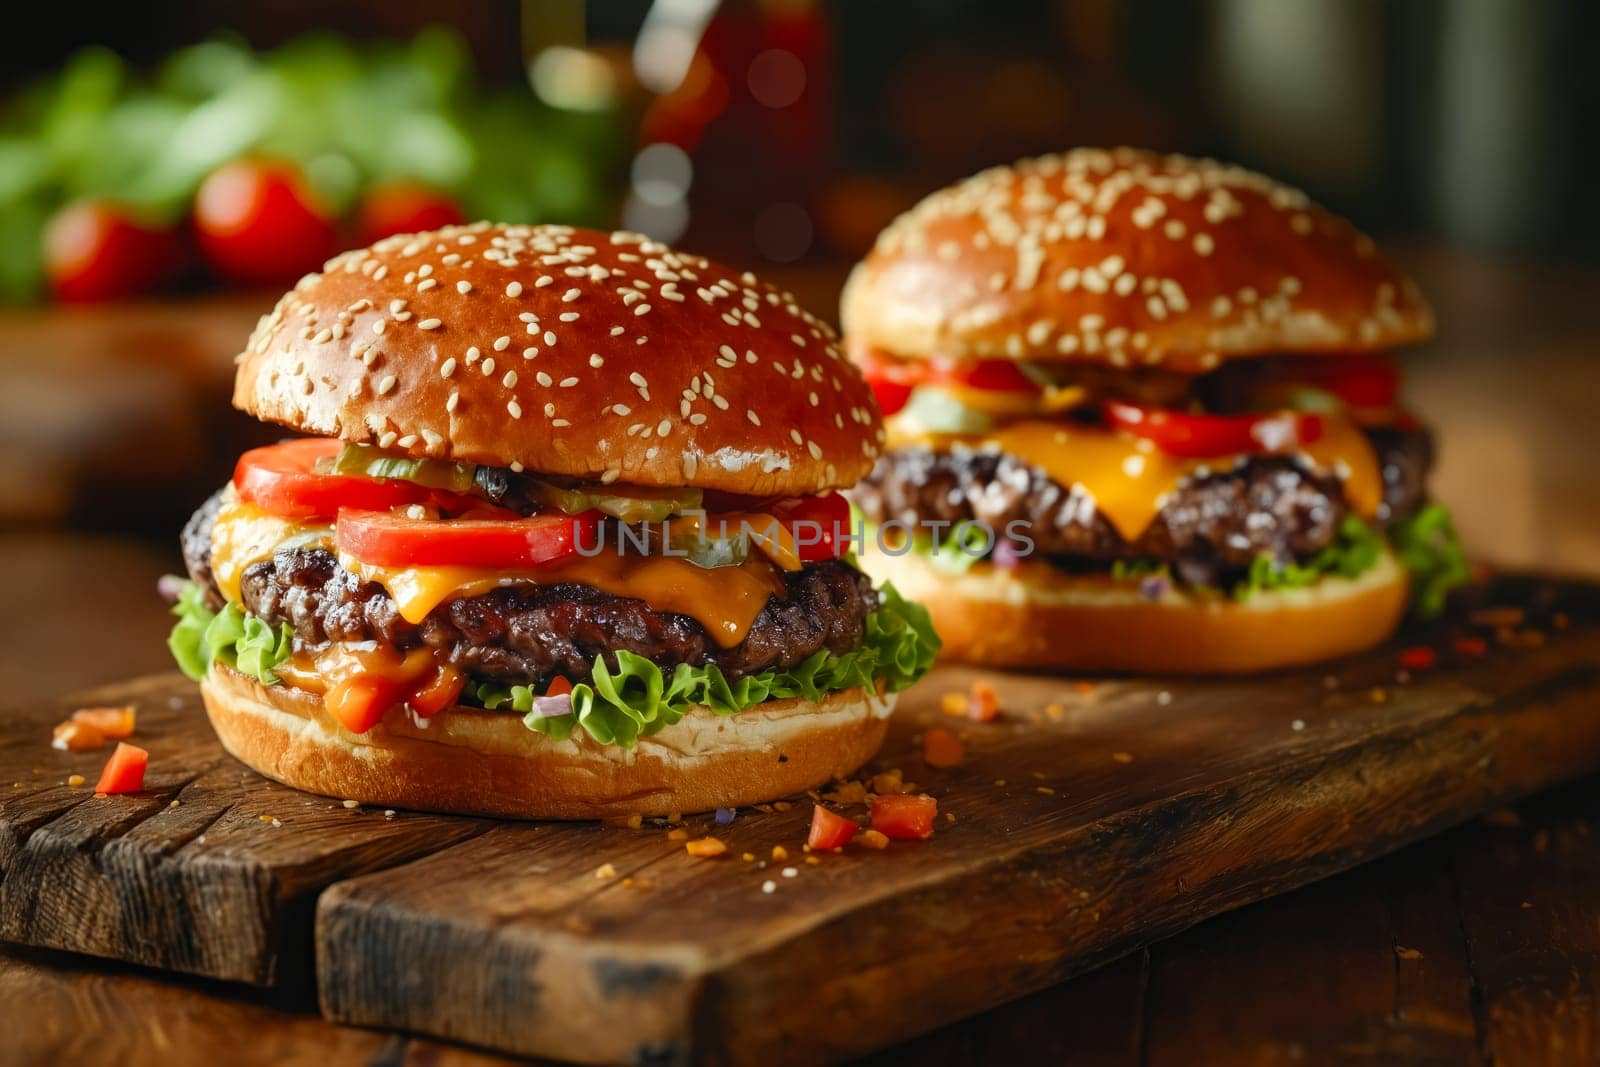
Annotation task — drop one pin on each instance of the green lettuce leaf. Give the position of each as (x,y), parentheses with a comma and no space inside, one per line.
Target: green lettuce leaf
(1428,546)
(1355,550)
(619,704)
(240,641)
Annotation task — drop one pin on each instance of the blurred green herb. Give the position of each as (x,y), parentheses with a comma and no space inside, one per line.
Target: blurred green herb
(351,116)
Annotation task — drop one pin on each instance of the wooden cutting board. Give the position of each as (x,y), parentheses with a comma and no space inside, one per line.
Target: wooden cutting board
(1089,819)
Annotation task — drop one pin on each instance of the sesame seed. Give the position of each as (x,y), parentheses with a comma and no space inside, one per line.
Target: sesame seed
(544,280)
(529,353)
(664,428)
(447,368)
(570,295)
(429,324)
(544,379)
(488,367)
(596,360)
(427,283)
(450,405)
(642,309)
(568,316)
(386,383)
(510,379)
(514,408)
(549,339)
(514,289)
(322,336)
(502,343)
(463,287)
(567,383)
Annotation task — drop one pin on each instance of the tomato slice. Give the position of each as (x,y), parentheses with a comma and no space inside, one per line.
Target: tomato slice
(284,480)
(904,816)
(1179,433)
(389,539)
(124,772)
(1360,381)
(829,830)
(892,380)
(820,525)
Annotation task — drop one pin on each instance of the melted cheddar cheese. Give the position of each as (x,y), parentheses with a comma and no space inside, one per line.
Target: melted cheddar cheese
(725,600)
(1129,478)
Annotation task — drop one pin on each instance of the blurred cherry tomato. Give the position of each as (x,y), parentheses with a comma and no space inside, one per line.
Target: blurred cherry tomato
(405,207)
(94,250)
(260,222)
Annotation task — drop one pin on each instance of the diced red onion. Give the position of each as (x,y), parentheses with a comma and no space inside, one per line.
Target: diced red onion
(553,707)
(168,586)
(1005,553)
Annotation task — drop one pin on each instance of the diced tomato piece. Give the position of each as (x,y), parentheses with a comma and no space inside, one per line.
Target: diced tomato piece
(559,686)
(1179,433)
(1472,646)
(437,693)
(284,480)
(1419,658)
(124,771)
(360,701)
(829,830)
(386,539)
(983,703)
(73,736)
(904,816)
(892,396)
(116,723)
(941,748)
(989,375)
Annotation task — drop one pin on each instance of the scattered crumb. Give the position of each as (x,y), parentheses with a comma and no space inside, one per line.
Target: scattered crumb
(769,886)
(1297,725)
(1163,698)
(781,805)
(352,803)
(605,870)
(851,792)
(1046,790)
(264,818)
(789,872)
(678,834)
(1122,757)
(1527,904)
(705,847)
(174,804)
(999,781)
(872,839)
(953,703)
(1407,953)
(388,813)
(814,861)
(949,816)
(779,853)
(1054,711)
(748,857)
(75,780)
(628,822)
(277,824)
(890,781)
(1378,694)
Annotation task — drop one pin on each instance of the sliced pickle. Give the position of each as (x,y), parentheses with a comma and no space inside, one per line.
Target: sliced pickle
(638,504)
(371,462)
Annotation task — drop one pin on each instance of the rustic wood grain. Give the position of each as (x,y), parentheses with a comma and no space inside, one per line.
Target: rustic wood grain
(1527,907)
(67,1010)
(191,875)
(1123,819)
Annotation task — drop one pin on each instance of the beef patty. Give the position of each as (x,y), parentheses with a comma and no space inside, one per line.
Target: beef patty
(527,634)
(1209,530)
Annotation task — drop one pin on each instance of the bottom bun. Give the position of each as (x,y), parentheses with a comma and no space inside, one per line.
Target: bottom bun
(476,762)
(1034,615)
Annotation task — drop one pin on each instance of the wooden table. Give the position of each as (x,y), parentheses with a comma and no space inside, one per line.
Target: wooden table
(1480,946)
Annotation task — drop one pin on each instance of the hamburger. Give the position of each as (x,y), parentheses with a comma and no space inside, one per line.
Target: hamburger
(1142,416)
(563,539)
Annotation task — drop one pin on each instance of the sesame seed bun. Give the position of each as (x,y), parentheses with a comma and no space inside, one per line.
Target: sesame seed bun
(600,356)
(476,762)
(1035,616)
(1126,258)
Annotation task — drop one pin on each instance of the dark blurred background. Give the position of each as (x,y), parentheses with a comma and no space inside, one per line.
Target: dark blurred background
(166,170)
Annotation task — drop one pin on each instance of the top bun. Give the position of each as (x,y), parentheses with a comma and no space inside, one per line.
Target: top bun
(600,356)
(1126,258)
